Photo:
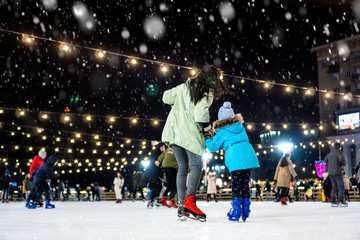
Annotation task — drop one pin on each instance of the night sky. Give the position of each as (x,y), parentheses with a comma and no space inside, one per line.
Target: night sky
(269,40)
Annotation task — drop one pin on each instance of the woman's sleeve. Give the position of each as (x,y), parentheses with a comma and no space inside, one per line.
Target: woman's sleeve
(170,95)
(277,171)
(201,110)
(292,170)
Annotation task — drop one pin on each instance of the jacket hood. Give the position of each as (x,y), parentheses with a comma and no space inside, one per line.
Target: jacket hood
(52,160)
(231,121)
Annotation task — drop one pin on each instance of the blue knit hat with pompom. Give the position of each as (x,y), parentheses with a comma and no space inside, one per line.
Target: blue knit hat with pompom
(225,111)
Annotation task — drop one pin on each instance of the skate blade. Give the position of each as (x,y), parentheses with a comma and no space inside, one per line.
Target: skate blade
(234,220)
(184,218)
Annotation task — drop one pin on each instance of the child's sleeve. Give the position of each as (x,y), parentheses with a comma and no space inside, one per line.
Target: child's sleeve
(216,143)
(170,95)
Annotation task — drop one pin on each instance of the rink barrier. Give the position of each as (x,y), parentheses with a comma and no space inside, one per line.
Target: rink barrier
(222,195)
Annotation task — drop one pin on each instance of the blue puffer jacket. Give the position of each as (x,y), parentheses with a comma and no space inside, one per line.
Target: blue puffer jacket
(232,138)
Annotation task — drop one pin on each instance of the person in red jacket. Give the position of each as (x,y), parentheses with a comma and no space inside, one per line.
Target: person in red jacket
(35,164)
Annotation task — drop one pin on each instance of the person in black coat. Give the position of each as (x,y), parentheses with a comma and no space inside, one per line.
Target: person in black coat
(42,174)
(5,185)
(327,189)
(152,173)
(268,190)
(335,163)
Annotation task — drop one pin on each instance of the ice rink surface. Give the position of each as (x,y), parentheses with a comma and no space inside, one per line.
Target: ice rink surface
(107,220)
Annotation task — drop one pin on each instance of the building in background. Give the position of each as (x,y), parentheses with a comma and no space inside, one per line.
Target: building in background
(339,71)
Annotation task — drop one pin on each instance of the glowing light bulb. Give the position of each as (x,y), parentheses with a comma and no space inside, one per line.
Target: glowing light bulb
(64,47)
(100,54)
(192,72)
(285,126)
(112,119)
(88,118)
(66,118)
(249,126)
(134,121)
(156,122)
(288,89)
(133,61)
(266,85)
(27,39)
(45,116)
(164,69)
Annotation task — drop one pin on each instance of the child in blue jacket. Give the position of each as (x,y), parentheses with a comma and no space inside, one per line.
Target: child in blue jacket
(240,158)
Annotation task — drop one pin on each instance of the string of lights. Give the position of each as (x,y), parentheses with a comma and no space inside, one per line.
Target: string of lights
(76,139)
(66,47)
(65,118)
(143,147)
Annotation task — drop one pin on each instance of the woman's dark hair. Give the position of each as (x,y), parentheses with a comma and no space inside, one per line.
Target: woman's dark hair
(159,145)
(121,176)
(283,161)
(209,77)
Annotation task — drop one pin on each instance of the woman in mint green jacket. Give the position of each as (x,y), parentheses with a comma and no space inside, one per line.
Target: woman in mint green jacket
(184,131)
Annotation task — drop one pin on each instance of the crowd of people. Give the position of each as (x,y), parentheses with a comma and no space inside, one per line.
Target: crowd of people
(175,166)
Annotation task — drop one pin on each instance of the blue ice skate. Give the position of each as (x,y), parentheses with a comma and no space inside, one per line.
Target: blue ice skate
(31,205)
(48,205)
(234,213)
(245,205)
